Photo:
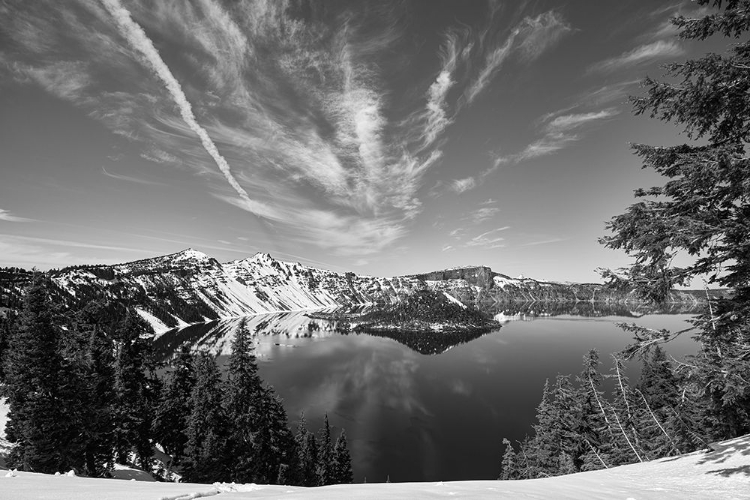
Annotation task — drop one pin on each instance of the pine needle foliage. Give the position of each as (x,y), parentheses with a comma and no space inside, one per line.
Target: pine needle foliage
(701,211)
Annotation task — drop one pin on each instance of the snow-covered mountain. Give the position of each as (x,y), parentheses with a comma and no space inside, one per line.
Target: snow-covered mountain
(189,286)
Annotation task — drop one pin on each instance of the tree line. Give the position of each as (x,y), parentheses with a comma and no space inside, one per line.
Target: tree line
(700,213)
(84,393)
(579,429)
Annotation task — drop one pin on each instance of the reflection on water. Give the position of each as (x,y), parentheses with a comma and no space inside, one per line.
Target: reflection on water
(413,417)
(532,310)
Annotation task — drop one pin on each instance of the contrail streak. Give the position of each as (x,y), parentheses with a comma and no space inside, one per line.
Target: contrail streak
(138,39)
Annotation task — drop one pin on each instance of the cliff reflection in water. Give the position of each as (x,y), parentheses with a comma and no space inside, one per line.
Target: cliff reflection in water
(532,310)
(216,336)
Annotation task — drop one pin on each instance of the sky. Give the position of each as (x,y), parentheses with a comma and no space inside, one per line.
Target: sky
(383,138)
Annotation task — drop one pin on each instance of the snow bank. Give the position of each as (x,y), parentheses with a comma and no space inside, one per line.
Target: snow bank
(723,472)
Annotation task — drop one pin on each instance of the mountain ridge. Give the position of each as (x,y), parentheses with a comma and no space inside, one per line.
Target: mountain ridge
(189,286)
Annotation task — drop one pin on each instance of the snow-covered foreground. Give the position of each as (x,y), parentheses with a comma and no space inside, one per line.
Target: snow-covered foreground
(720,474)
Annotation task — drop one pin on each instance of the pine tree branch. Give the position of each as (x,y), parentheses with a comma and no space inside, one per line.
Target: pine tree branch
(596,396)
(626,437)
(595,453)
(622,389)
(674,447)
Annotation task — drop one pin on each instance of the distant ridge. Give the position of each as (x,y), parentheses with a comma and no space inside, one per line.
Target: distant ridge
(189,286)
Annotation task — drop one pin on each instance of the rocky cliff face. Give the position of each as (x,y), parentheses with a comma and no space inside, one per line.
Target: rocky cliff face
(189,287)
(479,276)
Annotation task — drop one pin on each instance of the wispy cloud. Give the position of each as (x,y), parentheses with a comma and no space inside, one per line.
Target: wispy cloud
(345,234)
(540,33)
(283,115)
(530,38)
(563,123)
(6,216)
(488,239)
(545,241)
(138,39)
(646,53)
(482,214)
(435,118)
(494,59)
(461,185)
(159,156)
(129,178)
(559,131)
(608,94)
(71,244)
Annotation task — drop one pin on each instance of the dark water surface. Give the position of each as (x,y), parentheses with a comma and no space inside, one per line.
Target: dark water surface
(416,417)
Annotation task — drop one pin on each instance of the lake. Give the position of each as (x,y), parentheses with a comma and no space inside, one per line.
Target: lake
(418,417)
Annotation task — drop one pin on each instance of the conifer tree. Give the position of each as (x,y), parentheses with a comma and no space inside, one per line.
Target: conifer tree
(7,326)
(508,466)
(558,417)
(37,388)
(310,460)
(626,419)
(565,464)
(342,460)
(325,465)
(663,434)
(95,394)
(134,391)
(569,415)
(307,455)
(172,414)
(206,450)
(701,210)
(243,401)
(273,439)
(546,435)
(594,427)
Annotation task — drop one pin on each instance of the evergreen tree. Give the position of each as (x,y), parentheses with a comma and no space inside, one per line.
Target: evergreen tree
(508,466)
(172,414)
(701,210)
(342,460)
(326,464)
(274,440)
(306,455)
(568,421)
(625,419)
(134,391)
(38,386)
(206,450)
(95,395)
(546,435)
(7,327)
(594,427)
(558,417)
(565,464)
(662,434)
(527,468)
(244,405)
(658,382)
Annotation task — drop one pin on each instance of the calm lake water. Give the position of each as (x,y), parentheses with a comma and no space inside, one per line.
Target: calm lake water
(417,417)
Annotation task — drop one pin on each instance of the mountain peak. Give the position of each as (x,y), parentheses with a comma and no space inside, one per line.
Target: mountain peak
(262,256)
(188,253)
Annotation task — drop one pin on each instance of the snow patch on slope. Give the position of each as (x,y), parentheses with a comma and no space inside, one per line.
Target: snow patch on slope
(156,324)
(454,300)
